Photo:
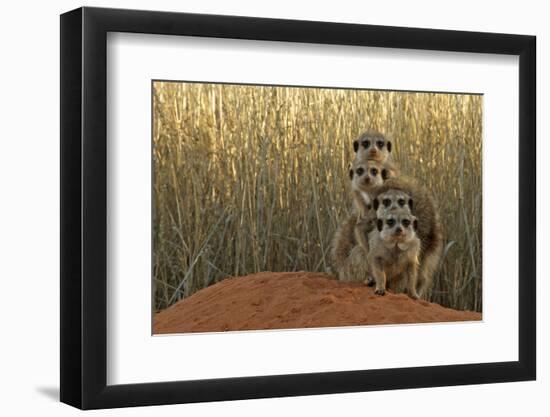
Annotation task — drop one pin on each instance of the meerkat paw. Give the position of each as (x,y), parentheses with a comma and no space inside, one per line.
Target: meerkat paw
(380,291)
(369,281)
(413,295)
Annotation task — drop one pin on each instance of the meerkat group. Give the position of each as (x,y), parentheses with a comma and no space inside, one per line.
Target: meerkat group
(393,238)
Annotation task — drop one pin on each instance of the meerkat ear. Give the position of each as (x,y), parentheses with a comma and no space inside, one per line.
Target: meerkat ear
(355,146)
(379,224)
(375,203)
(389,146)
(415,224)
(385,174)
(411,203)
(351,174)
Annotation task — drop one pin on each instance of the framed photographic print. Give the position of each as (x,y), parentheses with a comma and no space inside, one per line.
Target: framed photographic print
(314,207)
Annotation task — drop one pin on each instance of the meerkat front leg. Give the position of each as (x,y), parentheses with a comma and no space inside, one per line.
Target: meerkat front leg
(379,276)
(380,281)
(412,280)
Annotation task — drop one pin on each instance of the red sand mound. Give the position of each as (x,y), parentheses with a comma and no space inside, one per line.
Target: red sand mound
(295,300)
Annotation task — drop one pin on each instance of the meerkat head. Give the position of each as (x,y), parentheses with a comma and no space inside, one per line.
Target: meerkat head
(392,200)
(372,145)
(397,228)
(367,174)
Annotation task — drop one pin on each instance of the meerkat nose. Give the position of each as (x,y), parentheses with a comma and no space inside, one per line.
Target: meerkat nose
(398,230)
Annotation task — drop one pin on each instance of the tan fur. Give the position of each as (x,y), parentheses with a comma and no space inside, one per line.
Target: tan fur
(429,230)
(393,257)
(363,184)
(347,255)
(393,200)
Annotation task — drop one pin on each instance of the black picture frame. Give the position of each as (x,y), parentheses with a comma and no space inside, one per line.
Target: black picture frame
(84,207)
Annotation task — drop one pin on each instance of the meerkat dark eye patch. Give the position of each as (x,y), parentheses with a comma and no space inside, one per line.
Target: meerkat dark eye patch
(360,171)
(411,203)
(385,174)
(375,203)
(379,224)
(401,202)
(355,146)
(415,224)
(351,174)
(366,144)
(386,202)
(388,145)
(406,222)
(374,172)
(390,222)
(380,144)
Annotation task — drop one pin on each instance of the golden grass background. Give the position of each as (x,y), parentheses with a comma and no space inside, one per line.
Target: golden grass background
(254,178)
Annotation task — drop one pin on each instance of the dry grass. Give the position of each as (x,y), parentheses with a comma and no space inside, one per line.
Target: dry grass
(254,178)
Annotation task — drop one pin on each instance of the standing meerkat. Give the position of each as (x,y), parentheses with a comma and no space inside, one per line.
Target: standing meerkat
(386,203)
(349,246)
(422,205)
(365,177)
(394,252)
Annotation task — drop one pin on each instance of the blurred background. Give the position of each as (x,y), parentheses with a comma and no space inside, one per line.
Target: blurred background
(254,178)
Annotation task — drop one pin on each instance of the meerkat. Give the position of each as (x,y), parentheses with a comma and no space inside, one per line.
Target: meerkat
(393,257)
(385,203)
(349,246)
(374,146)
(422,205)
(365,176)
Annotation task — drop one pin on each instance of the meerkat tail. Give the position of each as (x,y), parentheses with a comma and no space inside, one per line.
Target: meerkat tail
(430,263)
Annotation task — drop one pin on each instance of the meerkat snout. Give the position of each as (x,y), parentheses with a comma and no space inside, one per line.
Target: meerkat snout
(398,226)
(373,153)
(374,149)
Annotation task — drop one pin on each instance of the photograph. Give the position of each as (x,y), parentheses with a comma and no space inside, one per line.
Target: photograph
(292,207)
(327,204)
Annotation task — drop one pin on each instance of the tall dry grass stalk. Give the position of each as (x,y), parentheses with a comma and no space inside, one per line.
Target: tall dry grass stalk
(254,178)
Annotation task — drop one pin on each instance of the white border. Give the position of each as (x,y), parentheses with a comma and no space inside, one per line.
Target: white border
(134,356)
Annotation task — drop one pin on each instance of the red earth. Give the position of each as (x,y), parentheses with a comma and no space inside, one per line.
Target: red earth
(291,300)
